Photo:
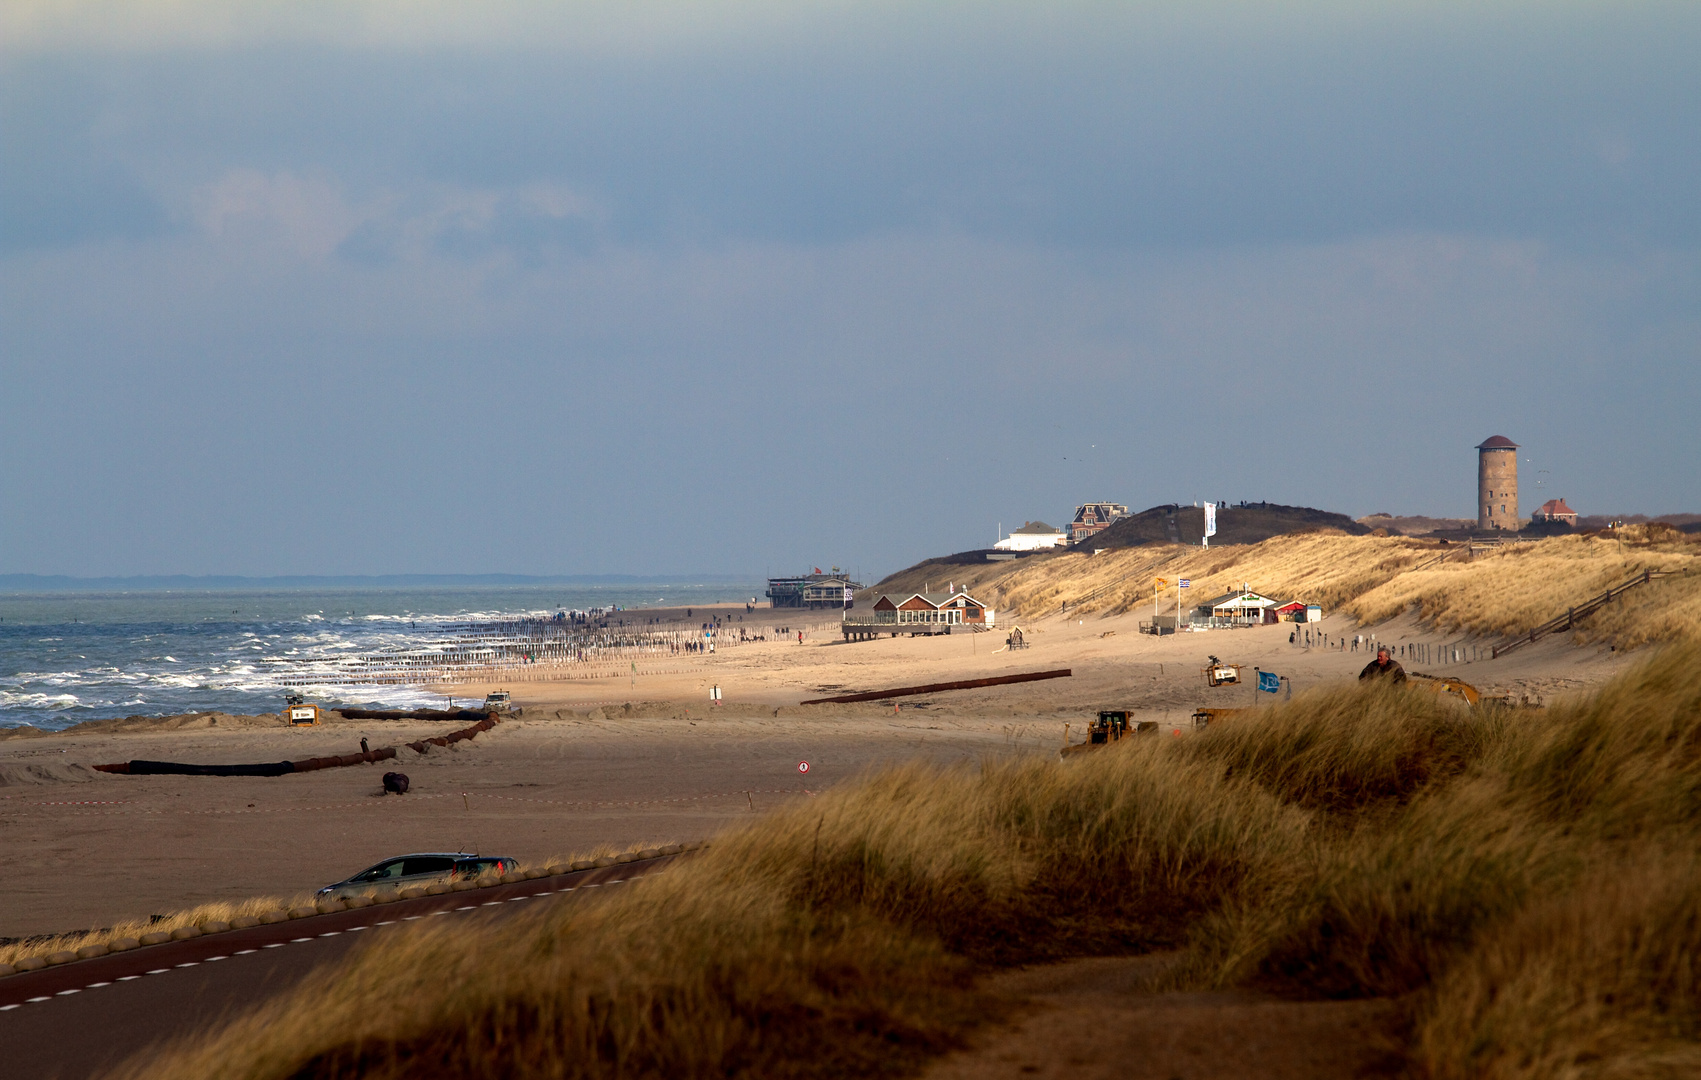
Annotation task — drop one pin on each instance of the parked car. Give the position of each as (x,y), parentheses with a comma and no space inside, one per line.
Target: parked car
(422,868)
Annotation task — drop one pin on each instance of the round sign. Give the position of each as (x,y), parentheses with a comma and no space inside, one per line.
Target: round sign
(803,766)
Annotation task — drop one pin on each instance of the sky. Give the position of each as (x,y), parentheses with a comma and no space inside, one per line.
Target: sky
(383,287)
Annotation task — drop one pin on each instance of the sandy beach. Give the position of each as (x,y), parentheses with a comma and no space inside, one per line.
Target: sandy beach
(614,761)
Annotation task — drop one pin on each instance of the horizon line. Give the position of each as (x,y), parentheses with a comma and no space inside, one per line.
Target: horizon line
(70,582)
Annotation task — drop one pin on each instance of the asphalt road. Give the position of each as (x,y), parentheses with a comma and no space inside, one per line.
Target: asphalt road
(77,1020)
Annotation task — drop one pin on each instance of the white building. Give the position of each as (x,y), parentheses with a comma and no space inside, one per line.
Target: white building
(1033,536)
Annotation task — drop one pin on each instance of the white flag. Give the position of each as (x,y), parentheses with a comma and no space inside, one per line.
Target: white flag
(1210,519)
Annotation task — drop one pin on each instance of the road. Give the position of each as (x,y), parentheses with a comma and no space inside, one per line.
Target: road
(80,1019)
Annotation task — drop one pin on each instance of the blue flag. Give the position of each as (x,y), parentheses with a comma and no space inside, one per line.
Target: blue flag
(1269,682)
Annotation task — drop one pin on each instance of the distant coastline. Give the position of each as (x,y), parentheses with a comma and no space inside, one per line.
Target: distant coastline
(47,583)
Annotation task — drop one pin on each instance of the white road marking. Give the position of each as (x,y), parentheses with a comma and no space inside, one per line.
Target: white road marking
(297,941)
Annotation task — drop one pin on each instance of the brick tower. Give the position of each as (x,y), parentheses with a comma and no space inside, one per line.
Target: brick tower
(1497,484)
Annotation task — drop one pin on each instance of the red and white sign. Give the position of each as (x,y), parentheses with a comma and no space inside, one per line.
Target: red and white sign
(803,766)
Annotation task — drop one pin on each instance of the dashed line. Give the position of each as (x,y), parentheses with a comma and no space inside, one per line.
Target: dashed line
(300,940)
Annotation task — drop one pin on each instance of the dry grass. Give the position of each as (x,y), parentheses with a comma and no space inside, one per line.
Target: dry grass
(1524,882)
(136,927)
(222,912)
(1372,579)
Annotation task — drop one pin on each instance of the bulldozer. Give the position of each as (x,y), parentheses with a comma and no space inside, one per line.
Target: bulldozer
(1112,725)
(1447,685)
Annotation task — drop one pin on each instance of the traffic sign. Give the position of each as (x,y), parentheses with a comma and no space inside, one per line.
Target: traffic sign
(803,766)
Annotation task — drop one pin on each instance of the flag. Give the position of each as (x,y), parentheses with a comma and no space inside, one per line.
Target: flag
(1269,682)
(817,569)
(1184,583)
(1210,519)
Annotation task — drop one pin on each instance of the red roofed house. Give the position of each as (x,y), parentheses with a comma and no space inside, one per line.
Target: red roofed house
(1555,510)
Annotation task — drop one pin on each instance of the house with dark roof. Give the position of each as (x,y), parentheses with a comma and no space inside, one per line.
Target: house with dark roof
(1033,536)
(918,614)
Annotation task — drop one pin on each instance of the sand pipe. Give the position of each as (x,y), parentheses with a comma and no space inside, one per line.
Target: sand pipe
(412,714)
(283,768)
(933,688)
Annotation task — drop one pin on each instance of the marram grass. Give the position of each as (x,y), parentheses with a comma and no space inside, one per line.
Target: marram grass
(1523,883)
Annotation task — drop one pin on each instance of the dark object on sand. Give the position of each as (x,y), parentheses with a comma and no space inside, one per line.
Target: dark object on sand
(395,783)
(364,748)
(934,688)
(283,768)
(460,715)
(175,768)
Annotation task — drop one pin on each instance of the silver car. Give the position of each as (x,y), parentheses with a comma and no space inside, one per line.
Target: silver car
(420,869)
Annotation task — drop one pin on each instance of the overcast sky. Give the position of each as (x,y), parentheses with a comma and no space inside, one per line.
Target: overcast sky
(676,288)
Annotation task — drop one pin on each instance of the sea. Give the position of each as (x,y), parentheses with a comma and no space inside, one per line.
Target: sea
(71,656)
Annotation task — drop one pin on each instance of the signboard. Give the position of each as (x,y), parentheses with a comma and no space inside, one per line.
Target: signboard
(304,714)
(1269,682)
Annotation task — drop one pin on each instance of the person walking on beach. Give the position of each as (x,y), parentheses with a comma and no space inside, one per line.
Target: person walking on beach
(1383,667)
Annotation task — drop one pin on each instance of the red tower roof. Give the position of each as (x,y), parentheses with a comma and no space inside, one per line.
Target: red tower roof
(1498,442)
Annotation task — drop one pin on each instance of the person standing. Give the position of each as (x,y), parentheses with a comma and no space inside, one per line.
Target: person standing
(1383,667)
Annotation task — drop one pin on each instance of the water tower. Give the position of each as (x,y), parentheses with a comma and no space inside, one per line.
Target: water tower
(1497,484)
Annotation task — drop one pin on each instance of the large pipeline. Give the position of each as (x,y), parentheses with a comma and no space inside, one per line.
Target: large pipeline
(283,768)
(463,715)
(934,688)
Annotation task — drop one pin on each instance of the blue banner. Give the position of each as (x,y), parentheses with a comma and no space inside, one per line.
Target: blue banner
(1269,682)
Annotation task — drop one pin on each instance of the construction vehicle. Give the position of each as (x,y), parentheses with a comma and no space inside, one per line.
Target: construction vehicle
(1204,718)
(498,701)
(299,713)
(1218,673)
(1445,685)
(1113,725)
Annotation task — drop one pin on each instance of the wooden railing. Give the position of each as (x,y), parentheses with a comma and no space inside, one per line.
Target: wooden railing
(1572,614)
